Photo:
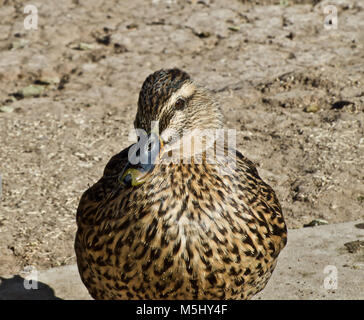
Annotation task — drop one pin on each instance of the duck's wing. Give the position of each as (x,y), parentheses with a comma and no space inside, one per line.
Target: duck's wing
(87,210)
(97,193)
(263,203)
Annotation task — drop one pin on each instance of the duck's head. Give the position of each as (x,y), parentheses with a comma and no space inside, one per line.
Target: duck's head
(181,109)
(171,98)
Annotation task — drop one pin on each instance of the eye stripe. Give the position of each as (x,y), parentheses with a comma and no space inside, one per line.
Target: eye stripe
(185,92)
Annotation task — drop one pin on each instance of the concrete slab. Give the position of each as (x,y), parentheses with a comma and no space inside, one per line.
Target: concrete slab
(316,264)
(314,258)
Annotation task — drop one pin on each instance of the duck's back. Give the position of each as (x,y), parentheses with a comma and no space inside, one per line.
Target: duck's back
(191,231)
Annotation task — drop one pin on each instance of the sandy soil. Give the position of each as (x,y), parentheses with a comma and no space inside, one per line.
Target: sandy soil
(292,89)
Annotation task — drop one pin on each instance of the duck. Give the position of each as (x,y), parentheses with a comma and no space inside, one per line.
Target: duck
(180,214)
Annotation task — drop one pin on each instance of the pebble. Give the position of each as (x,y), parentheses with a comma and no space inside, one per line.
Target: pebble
(84,46)
(49,80)
(6,109)
(316,222)
(31,91)
(354,246)
(22,43)
(234,28)
(312,109)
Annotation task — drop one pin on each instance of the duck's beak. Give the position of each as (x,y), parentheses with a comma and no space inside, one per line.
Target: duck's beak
(135,174)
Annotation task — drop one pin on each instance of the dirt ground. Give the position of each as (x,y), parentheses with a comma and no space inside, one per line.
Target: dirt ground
(293,90)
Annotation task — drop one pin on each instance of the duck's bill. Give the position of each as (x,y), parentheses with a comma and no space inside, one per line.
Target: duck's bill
(141,160)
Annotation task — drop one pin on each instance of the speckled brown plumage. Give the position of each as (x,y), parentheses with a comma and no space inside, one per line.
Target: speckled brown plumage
(194,230)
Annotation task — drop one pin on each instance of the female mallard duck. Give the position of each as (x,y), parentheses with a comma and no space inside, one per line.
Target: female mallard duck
(178,229)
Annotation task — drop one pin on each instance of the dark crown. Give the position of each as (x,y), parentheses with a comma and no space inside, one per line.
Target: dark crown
(158,88)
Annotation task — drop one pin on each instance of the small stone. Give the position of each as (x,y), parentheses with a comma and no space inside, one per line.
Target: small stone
(80,156)
(31,91)
(84,46)
(6,109)
(354,246)
(105,39)
(132,26)
(234,28)
(290,36)
(312,109)
(49,80)
(203,34)
(340,104)
(316,222)
(22,43)
(119,48)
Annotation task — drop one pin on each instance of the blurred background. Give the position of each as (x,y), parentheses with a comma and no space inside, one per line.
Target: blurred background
(288,74)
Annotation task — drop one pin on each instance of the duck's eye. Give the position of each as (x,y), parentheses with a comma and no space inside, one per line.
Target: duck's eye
(180,104)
